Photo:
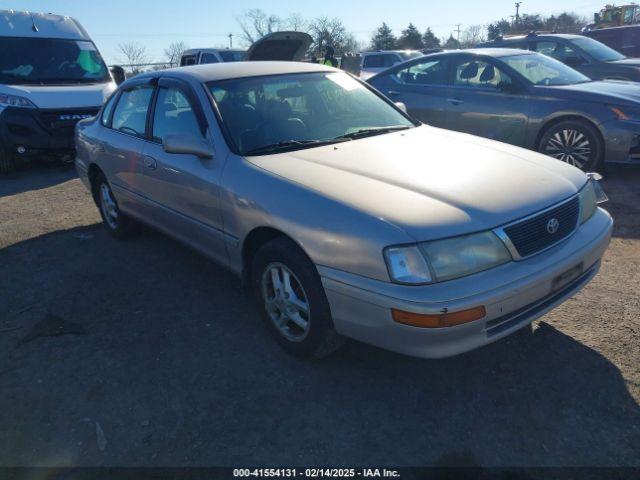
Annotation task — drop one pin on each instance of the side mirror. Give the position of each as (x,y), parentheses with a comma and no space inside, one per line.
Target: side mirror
(401,106)
(118,74)
(187,144)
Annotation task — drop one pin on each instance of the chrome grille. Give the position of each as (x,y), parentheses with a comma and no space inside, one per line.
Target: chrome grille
(536,233)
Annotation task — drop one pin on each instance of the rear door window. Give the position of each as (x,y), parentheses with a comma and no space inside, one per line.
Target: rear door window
(373,61)
(130,115)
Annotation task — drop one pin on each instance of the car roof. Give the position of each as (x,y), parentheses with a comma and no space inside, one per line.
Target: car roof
(491,52)
(192,51)
(47,25)
(568,36)
(224,71)
(378,52)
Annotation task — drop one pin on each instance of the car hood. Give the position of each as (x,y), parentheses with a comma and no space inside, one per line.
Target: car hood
(63,96)
(627,62)
(604,91)
(431,183)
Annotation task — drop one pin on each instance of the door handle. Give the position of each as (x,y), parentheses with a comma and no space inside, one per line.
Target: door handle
(150,162)
(393,92)
(101,148)
(455,101)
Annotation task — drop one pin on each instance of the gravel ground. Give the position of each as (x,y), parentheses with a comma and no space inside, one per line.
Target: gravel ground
(142,352)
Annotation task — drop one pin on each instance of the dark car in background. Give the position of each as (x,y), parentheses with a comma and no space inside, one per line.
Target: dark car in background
(625,40)
(522,98)
(590,57)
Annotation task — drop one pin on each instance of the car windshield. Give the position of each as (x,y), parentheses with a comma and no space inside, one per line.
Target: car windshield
(232,56)
(49,61)
(597,50)
(542,70)
(289,112)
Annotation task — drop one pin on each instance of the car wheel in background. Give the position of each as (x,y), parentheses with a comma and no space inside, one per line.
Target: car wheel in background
(575,142)
(118,224)
(7,162)
(291,298)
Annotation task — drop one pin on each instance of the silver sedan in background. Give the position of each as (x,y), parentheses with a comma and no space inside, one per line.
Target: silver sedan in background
(343,216)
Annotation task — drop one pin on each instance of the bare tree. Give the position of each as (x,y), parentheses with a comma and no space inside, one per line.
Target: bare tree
(256,24)
(135,54)
(295,22)
(472,36)
(174,52)
(327,31)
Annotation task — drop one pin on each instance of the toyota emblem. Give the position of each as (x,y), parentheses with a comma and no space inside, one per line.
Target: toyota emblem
(553,225)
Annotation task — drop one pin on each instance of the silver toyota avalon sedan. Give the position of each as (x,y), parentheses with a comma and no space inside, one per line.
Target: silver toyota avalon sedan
(343,216)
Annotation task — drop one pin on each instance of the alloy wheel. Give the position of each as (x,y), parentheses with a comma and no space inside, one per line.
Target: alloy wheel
(286,302)
(571,146)
(108,206)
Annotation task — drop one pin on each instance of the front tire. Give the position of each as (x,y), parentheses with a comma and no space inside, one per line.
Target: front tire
(117,223)
(575,142)
(289,293)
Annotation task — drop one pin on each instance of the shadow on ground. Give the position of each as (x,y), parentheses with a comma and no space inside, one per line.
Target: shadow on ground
(36,178)
(172,366)
(622,185)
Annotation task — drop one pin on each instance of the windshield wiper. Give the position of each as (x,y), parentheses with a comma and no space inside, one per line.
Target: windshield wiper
(292,144)
(369,132)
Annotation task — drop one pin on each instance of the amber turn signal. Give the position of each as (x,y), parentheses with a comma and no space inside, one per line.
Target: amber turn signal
(440,320)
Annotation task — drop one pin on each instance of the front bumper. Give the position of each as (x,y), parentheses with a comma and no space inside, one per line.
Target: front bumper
(514,295)
(36,133)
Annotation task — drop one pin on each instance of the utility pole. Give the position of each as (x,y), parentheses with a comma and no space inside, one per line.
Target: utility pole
(231,40)
(518,12)
(457,30)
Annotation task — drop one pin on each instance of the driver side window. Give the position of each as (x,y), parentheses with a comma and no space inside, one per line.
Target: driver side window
(174,115)
(480,74)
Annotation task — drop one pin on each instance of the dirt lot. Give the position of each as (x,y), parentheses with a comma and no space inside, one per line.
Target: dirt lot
(164,362)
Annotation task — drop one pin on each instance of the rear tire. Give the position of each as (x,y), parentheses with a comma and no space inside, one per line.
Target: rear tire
(289,293)
(117,223)
(576,142)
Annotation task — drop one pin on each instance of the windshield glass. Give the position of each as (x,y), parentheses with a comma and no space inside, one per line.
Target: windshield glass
(48,61)
(295,111)
(542,70)
(597,50)
(232,56)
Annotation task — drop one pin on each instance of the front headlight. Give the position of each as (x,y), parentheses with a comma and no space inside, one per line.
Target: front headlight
(7,100)
(591,196)
(446,259)
(461,256)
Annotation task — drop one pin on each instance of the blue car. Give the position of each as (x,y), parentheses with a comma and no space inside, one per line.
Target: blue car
(522,98)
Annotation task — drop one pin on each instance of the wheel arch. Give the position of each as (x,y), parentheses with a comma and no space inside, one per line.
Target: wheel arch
(254,240)
(551,122)
(92,172)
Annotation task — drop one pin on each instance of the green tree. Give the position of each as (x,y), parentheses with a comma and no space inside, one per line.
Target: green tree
(451,43)
(383,38)
(429,40)
(410,38)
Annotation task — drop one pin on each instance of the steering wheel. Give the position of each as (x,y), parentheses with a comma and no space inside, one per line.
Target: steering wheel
(67,66)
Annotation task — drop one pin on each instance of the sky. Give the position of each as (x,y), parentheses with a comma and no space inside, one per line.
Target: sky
(207,23)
